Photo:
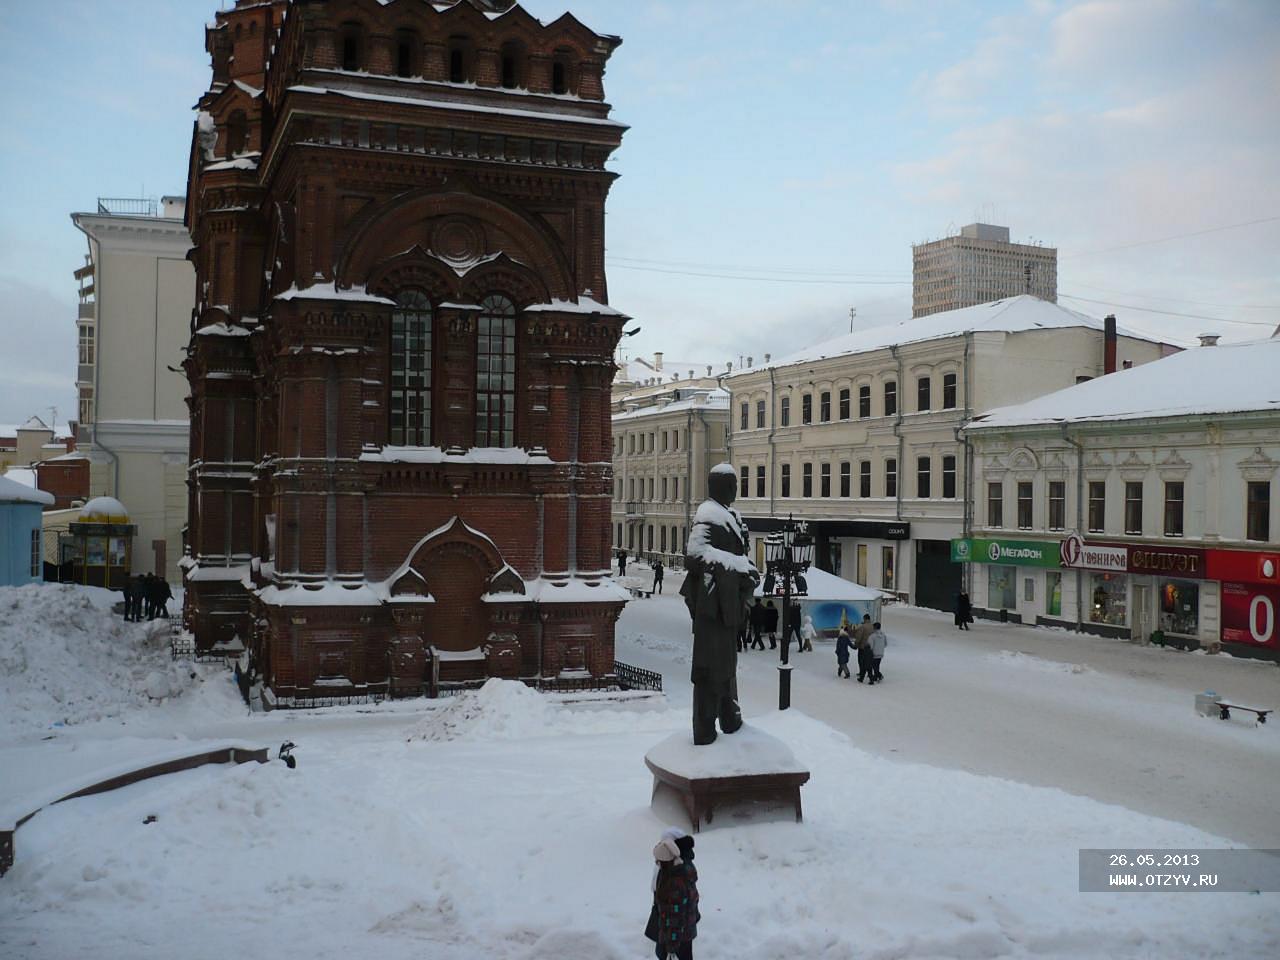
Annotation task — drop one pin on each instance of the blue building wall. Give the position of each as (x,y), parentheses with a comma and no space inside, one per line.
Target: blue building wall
(17,520)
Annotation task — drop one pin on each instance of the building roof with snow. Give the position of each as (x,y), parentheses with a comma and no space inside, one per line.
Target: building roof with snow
(1012,315)
(716,399)
(1205,381)
(13,491)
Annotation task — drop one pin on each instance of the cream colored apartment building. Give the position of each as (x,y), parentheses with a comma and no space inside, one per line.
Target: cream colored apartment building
(665,442)
(860,435)
(137,291)
(978,266)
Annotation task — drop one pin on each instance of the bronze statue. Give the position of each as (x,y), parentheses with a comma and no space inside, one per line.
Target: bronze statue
(718,588)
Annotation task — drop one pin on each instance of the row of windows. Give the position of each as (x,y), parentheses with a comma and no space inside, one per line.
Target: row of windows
(410,406)
(461,54)
(1257,507)
(844,411)
(843,481)
(635,442)
(660,489)
(670,539)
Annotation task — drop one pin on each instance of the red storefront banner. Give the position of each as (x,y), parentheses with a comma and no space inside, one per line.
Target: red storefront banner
(1249,613)
(1185,563)
(1243,566)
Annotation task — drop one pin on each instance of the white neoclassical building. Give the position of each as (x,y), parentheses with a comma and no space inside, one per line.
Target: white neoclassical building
(137,291)
(860,435)
(1139,502)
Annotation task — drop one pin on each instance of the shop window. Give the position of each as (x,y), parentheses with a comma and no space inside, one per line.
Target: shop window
(1179,607)
(891,477)
(864,478)
(1133,507)
(922,394)
(806,408)
(760,481)
(806,480)
(760,414)
(948,391)
(890,399)
(922,477)
(949,477)
(846,478)
(886,568)
(744,483)
(1173,492)
(496,374)
(409,410)
(1097,506)
(1108,604)
(1258,511)
(1057,504)
(995,505)
(824,406)
(844,404)
(824,480)
(1002,593)
(785,480)
(864,402)
(1024,505)
(1053,593)
(784,406)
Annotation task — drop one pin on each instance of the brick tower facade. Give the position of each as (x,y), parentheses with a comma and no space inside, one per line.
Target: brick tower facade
(401,354)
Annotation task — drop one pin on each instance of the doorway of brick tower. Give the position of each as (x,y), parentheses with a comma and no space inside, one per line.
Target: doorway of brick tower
(937,579)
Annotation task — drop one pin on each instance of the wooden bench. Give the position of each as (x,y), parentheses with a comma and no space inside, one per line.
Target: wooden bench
(701,795)
(1224,711)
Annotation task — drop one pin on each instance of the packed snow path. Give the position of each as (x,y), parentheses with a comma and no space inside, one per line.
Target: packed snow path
(1102,718)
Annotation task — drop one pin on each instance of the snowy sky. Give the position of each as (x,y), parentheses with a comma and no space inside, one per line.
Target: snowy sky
(812,139)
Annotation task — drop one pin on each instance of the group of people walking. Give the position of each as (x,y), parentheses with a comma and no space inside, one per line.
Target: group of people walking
(146,595)
(764,620)
(868,641)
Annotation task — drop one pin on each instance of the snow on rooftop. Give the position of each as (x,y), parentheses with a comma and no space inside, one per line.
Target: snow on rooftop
(1231,378)
(329,291)
(14,488)
(585,304)
(716,399)
(1011,315)
(465,107)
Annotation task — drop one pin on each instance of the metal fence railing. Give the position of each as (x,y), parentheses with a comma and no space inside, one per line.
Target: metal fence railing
(128,206)
(636,678)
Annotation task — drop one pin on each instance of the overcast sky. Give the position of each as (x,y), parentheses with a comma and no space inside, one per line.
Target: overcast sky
(783,156)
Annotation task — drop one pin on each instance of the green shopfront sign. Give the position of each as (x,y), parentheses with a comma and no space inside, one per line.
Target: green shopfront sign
(1015,553)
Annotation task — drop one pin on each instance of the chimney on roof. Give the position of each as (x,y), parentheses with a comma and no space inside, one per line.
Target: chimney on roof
(729,366)
(708,369)
(657,360)
(1208,339)
(750,362)
(1109,344)
(766,358)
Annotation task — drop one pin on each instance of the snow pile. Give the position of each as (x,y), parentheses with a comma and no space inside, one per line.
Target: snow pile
(511,710)
(65,657)
(1027,661)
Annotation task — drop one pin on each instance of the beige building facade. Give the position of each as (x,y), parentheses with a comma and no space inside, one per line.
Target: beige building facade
(665,442)
(137,291)
(979,265)
(860,435)
(1142,502)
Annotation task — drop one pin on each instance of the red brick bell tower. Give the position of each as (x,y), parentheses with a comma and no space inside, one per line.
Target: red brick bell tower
(401,356)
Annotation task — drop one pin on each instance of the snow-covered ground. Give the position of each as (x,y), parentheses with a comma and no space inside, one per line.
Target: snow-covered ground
(512,825)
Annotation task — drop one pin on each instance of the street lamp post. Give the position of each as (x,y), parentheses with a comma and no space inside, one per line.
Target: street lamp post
(788,554)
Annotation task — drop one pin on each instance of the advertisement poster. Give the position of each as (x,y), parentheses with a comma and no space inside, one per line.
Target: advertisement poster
(830,615)
(1249,612)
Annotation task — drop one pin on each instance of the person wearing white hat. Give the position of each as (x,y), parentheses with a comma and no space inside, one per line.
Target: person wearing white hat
(673,920)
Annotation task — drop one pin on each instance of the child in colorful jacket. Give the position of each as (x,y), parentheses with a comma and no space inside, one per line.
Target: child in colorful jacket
(673,921)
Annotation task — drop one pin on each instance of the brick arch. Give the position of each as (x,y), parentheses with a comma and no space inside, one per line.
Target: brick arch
(406,220)
(414,268)
(458,565)
(504,275)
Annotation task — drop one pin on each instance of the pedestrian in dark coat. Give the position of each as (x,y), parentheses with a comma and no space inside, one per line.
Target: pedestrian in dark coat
(132,589)
(771,625)
(964,611)
(163,596)
(622,563)
(153,595)
(792,627)
(863,647)
(658,570)
(673,921)
(843,644)
(757,624)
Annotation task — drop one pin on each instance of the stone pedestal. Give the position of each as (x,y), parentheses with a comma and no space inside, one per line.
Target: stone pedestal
(747,765)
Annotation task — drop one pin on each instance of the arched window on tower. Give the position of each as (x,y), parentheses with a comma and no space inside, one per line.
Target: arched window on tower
(406,53)
(562,72)
(237,134)
(496,373)
(459,60)
(512,65)
(352,46)
(409,412)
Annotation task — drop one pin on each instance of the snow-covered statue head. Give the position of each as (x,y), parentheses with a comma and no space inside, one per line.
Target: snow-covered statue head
(717,590)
